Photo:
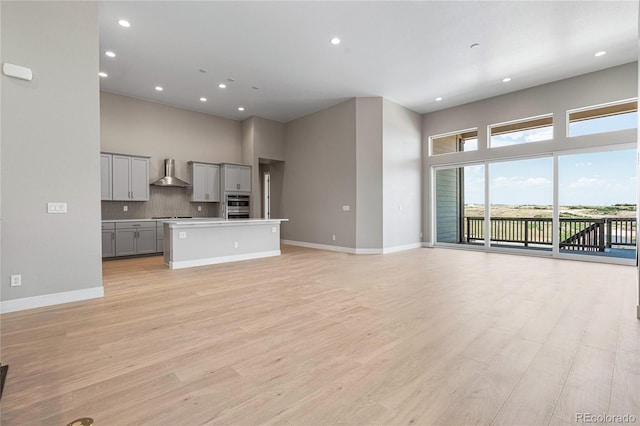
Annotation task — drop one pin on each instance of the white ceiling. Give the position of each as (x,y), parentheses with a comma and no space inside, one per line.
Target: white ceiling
(407,52)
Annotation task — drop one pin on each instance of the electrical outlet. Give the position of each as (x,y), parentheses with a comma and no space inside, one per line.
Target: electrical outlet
(125,208)
(235,244)
(274,229)
(16,280)
(182,235)
(346,208)
(333,237)
(199,208)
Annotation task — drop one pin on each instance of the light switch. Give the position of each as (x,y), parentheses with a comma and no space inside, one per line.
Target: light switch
(182,235)
(274,229)
(56,207)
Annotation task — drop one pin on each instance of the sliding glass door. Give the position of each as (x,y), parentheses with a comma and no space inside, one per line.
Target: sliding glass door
(459,200)
(595,208)
(521,209)
(597,203)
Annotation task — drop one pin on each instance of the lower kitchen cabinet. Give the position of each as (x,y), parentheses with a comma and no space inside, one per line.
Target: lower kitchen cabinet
(160,237)
(135,238)
(108,239)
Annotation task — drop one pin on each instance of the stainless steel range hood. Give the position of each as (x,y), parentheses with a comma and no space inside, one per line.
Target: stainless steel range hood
(170,178)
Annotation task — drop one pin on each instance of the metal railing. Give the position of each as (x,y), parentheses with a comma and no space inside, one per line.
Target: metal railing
(575,234)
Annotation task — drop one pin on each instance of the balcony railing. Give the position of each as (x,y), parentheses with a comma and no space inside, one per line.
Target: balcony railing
(575,234)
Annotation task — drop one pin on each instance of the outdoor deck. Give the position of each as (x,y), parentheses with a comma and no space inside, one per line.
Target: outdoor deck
(603,236)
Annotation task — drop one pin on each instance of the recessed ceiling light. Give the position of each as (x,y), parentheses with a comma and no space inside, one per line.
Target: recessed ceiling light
(222,85)
(124,23)
(110,54)
(438,99)
(159,89)
(240,108)
(203,99)
(103,74)
(506,79)
(601,53)
(335,40)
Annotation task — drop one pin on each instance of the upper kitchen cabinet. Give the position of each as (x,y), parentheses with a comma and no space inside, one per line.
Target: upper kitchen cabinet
(105,176)
(130,177)
(205,181)
(236,178)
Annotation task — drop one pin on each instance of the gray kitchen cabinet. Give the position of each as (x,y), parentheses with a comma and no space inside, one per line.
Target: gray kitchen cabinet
(130,178)
(105,176)
(205,181)
(135,238)
(108,239)
(236,178)
(159,237)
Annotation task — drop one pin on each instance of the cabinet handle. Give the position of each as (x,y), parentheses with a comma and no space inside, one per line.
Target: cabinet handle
(132,194)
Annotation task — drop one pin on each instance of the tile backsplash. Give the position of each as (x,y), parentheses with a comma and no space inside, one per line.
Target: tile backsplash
(163,201)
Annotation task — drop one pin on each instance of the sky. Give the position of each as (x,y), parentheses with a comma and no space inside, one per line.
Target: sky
(600,179)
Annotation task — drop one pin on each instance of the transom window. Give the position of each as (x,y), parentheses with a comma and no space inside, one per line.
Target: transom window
(603,118)
(465,140)
(523,131)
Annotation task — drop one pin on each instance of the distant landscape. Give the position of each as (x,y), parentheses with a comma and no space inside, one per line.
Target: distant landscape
(542,211)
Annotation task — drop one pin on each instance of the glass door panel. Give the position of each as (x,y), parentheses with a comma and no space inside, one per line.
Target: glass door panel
(521,209)
(459,200)
(597,198)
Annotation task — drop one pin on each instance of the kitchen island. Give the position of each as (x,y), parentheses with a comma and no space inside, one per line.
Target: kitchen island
(197,242)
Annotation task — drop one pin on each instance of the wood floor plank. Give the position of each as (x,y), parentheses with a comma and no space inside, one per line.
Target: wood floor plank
(588,387)
(425,336)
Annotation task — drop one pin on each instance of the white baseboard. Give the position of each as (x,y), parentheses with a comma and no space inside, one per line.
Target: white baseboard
(401,248)
(222,259)
(50,299)
(351,250)
(369,251)
(319,246)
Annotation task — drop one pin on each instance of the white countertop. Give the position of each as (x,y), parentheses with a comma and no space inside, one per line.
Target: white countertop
(159,220)
(179,223)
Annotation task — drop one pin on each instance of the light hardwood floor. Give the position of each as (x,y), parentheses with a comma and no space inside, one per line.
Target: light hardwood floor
(426,336)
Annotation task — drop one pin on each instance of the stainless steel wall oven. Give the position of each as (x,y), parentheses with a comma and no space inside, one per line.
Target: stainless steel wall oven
(238,206)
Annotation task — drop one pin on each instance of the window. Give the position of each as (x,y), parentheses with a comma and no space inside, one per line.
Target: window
(521,204)
(603,118)
(466,140)
(525,131)
(459,200)
(597,203)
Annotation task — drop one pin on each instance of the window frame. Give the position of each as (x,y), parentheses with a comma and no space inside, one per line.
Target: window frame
(596,107)
(490,127)
(456,132)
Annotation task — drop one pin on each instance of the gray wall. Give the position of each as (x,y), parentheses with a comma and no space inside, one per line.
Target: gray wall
(402,171)
(320,177)
(608,85)
(369,211)
(262,139)
(50,146)
(134,126)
